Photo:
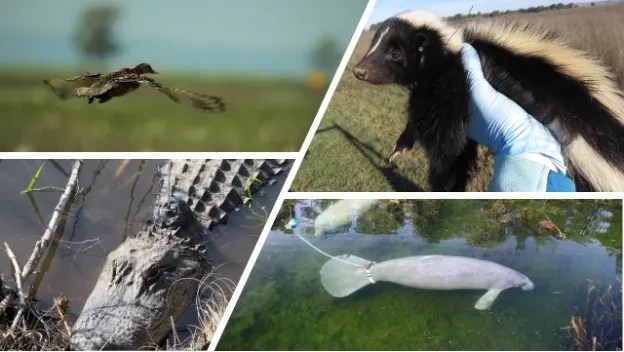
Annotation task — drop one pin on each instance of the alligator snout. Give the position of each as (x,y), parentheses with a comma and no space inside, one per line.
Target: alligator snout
(111,328)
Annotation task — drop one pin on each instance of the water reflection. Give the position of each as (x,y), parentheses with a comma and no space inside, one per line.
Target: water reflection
(481,223)
(94,224)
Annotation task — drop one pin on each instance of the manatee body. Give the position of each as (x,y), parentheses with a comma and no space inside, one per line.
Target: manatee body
(341,213)
(347,273)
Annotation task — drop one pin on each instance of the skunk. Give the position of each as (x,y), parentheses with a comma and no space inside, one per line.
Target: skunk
(563,88)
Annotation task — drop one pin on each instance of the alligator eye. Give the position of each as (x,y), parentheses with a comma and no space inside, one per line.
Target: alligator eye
(153,273)
(156,271)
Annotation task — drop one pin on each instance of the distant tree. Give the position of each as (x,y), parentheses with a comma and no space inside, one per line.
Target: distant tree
(326,55)
(94,34)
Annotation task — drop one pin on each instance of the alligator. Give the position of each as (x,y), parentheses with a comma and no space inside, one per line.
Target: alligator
(153,276)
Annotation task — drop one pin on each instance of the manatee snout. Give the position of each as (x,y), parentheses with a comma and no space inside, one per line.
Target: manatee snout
(527,285)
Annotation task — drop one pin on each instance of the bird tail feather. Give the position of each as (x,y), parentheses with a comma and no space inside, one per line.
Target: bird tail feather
(201,101)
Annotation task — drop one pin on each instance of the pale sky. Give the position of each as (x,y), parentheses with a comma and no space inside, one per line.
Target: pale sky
(240,34)
(387,8)
(265,36)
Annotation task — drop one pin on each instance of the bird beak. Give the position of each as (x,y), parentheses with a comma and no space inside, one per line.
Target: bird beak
(155,72)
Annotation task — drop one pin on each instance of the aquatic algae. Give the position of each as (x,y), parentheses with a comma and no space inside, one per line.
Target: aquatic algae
(598,323)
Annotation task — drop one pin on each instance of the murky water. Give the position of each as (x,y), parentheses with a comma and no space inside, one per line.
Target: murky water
(117,202)
(284,305)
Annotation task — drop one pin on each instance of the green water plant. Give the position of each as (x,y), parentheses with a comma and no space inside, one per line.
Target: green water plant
(597,324)
(33,180)
(254,213)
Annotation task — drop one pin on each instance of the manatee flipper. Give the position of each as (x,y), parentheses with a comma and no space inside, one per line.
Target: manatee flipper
(487,299)
(341,279)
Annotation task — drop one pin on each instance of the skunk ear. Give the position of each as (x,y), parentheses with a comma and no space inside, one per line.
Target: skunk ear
(420,42)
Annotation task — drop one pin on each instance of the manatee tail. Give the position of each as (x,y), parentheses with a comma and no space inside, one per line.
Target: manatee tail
(345,274)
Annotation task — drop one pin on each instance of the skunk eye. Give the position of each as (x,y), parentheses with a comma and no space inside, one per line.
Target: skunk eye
(395,55)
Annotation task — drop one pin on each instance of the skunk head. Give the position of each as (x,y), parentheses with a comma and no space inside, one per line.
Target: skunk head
(408,47)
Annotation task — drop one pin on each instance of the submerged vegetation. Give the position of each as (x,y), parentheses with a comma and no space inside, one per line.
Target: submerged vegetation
(597,324)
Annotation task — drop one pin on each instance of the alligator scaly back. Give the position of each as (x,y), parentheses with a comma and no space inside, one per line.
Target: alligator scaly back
(214,188)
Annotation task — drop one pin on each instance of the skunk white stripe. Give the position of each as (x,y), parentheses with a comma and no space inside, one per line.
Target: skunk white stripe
(602,175)
(534,42)
(452,37)
(378,41)
(599,172)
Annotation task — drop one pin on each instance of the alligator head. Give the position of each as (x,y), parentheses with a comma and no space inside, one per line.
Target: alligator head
(148,280)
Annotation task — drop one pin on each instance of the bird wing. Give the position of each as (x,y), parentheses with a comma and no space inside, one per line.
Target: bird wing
(106,83)
(209,103)
(65,88)
(200,101)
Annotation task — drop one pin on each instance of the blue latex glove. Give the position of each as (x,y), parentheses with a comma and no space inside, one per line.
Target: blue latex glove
(502,125)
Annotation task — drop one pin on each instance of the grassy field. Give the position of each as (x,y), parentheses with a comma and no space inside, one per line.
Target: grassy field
(349,151)
(261,115)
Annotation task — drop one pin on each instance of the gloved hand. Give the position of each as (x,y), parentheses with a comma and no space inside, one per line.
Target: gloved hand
(502,125)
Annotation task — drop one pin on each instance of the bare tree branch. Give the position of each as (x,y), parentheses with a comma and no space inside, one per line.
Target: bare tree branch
(18,282)
(48,189)
(44,242)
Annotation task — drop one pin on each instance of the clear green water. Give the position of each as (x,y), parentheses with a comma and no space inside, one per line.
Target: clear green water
(284,305)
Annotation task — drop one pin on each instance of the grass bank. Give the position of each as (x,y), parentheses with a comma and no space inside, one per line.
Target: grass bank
(261,114)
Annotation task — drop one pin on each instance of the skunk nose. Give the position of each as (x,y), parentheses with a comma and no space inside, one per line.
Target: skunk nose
(360,73)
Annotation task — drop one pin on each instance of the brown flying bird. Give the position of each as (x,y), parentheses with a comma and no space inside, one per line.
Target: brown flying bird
(107,86)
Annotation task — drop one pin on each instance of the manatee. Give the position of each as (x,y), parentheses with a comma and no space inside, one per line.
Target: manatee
(341,213)
(345,274)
